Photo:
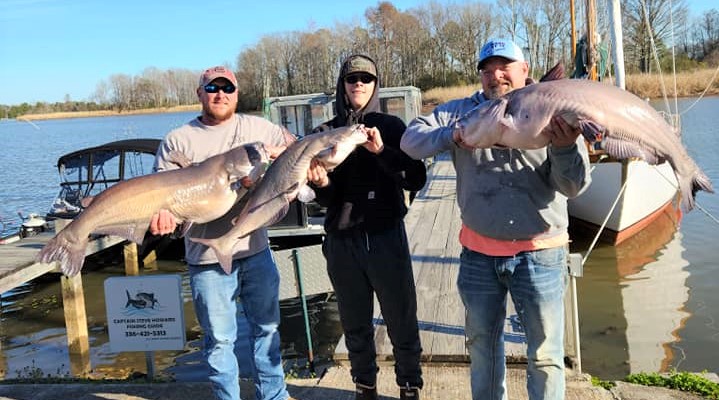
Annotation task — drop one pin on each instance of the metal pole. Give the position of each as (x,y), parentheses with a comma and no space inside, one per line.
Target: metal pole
(305,314)
(574,30)
(576,270)
(150,362)
(617,44)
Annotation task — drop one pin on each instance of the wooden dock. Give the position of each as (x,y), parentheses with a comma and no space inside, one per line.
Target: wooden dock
(18,266)
(433,224)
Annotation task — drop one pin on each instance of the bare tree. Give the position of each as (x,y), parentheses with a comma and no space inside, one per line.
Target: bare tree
(648,22)
(121,91)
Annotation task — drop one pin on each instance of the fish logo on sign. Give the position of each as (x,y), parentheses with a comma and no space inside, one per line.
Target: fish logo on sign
(141,300)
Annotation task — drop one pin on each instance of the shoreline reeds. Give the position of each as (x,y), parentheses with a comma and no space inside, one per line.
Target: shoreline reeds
(688,84)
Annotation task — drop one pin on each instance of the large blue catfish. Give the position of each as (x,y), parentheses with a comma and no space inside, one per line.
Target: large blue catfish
(625,125)
(285,180)
(198,193)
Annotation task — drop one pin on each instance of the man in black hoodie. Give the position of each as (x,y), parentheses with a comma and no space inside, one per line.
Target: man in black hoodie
(366,244)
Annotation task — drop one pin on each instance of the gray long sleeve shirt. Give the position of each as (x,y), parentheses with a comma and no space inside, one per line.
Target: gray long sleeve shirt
(503,193)
(199,142)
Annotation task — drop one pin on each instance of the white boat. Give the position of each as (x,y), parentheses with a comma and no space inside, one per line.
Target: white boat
(648,190)
(651,190)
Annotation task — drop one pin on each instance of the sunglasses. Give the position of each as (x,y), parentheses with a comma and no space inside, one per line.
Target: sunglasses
(364,78)
(213,88)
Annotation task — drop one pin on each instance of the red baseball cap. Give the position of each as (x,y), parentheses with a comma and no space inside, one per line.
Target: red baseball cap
(219,71)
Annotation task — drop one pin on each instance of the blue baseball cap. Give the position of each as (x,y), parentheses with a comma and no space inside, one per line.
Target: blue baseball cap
(504,48)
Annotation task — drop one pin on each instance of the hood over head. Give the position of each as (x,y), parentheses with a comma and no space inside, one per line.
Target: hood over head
(352,64)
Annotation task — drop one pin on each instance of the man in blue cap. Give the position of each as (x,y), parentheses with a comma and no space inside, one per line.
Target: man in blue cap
(514,236)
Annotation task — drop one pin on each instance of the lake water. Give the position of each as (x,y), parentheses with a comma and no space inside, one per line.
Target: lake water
(650,304)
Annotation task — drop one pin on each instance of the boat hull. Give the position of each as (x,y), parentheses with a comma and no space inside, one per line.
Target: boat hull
(651,191)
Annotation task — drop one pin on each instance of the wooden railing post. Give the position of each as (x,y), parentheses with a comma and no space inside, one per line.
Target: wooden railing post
(132,266)
(73,302)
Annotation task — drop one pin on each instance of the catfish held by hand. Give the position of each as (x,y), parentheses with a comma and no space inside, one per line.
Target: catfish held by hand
(198,193)
(284,181)
(625,125)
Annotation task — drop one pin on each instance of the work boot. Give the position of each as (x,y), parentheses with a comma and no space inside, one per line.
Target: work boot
(409,393)
(364,392)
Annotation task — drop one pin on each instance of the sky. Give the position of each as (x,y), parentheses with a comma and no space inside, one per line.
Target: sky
(53,48)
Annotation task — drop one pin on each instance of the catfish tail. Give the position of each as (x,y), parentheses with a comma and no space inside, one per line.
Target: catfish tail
(68,253)
(699,182)
(222,250)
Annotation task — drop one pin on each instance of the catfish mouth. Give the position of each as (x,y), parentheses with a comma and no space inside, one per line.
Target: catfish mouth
(255,156)
(360,133)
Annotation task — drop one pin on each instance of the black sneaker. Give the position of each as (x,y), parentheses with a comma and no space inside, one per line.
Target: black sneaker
(364,392)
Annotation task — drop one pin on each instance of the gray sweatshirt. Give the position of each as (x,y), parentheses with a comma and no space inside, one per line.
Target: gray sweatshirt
(199,142)
(504,194)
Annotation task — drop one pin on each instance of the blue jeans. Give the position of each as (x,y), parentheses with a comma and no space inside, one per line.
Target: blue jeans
(254,280)
(536,280)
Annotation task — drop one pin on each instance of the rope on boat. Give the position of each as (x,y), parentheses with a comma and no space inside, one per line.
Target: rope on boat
(707,213)
(604,223)
(709,85)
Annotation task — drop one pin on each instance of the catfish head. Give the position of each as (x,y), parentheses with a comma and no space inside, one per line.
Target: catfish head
(342,142)
(483,126)
(247,163)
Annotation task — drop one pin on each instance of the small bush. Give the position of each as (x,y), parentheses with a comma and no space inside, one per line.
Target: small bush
(603,384)
(683,381)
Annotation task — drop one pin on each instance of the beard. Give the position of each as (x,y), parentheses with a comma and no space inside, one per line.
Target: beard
(217,115)
(503,87)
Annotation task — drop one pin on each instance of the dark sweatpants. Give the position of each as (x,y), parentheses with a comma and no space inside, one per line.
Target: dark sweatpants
(360,264)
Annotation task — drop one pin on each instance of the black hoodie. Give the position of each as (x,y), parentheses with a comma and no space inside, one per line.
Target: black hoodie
(368,186)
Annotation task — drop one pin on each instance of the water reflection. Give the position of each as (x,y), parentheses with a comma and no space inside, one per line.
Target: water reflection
(632,301)
(34,341)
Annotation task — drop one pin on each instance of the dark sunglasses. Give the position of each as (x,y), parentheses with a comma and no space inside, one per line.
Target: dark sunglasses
(364,78)
(213,88)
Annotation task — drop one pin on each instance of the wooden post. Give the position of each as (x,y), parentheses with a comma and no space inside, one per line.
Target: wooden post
(132,267)
(591,39)
(150,261)
(73,302)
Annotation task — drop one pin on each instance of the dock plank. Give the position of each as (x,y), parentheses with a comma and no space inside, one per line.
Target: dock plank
(17,260)
(433,223)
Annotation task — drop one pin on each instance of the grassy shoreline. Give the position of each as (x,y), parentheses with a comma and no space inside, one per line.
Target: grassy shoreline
(688,84)
(107,113)
(645,86)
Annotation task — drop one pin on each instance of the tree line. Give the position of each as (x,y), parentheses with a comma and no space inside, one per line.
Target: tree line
(431,45)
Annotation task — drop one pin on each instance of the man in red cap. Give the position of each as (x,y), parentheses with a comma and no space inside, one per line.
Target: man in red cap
(254,279)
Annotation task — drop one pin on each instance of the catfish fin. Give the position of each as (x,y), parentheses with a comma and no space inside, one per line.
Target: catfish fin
(623,149)
(555,73)
(279,214)
(592,131)
(134,232)
(222,251)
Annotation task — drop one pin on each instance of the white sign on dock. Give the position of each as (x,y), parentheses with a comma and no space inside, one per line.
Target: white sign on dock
(145,313)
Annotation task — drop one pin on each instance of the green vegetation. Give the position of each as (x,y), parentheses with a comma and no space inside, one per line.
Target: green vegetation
(683,381)
(603,384)
(32,374)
